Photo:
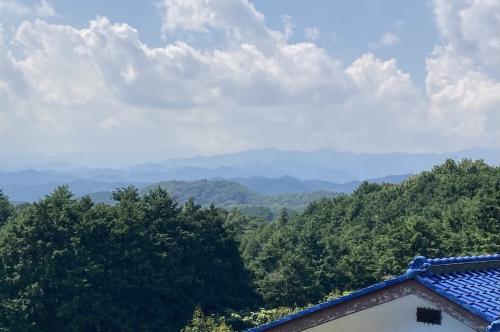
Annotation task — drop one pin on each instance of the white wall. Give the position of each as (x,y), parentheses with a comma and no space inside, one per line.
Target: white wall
(395,316)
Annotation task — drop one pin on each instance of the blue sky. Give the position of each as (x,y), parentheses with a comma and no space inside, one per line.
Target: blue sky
(120,82)
(347,29)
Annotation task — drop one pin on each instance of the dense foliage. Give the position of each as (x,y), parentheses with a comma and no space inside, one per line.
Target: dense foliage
(141,265)
(354,240)
(147,263)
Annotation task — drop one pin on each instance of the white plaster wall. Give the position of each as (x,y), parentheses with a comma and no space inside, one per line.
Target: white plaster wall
(395,316)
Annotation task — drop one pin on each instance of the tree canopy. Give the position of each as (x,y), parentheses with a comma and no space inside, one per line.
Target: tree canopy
(354,240)
(141,265)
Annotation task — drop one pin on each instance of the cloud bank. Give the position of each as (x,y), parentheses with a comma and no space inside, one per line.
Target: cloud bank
(100,95)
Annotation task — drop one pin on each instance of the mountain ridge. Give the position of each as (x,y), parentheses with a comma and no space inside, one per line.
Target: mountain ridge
(265,171)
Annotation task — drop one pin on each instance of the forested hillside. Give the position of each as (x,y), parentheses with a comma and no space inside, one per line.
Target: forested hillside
(228,194)
(354,240)
(147,263)
(288,184)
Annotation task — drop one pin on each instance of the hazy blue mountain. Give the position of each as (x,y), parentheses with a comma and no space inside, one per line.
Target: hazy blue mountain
(34,177)
(266,171)
(33,192)
(330,165)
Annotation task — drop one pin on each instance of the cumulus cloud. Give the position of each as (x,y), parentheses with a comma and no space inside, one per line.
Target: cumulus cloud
(57,64)
(462,74)
(110,60)
(381,79)
(472,28)
(12,83)
(463,99)
(195,15)
(238,20)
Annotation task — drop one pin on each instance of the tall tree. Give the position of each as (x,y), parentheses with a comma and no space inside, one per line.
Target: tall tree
(6,209)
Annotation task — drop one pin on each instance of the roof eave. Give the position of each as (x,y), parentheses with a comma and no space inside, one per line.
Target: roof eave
(331,303)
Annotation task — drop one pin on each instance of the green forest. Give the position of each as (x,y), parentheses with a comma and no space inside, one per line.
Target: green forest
(152,263)
(229,194)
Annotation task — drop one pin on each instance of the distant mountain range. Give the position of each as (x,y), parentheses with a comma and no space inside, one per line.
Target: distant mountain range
(33,192)
(328,165)
(266,171)
(246,190)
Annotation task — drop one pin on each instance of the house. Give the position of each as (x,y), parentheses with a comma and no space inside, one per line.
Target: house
(459,294)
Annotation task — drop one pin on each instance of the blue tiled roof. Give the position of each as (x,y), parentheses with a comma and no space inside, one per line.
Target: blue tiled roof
(476,289)
(473,282)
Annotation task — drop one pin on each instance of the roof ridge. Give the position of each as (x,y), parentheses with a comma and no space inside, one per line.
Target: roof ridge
(464,259)
(422,264)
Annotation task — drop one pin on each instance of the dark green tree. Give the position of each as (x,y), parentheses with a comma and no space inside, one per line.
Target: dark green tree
(6,209)
(141,265)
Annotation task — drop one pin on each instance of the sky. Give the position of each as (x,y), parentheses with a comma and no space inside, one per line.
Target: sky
(110,83)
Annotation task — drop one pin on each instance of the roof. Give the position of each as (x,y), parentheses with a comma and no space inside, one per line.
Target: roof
(472,282)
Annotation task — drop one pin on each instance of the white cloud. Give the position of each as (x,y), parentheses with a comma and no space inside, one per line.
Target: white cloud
(57,64)
(194,15)
(472,28)
(239,20)
(381,79)
(463,99)
(288,26)
(385,98)
(41,8)
(389,39)
(312,34)
(462,75)
(45,9)
(13,7)
(12,83)
(109,59)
